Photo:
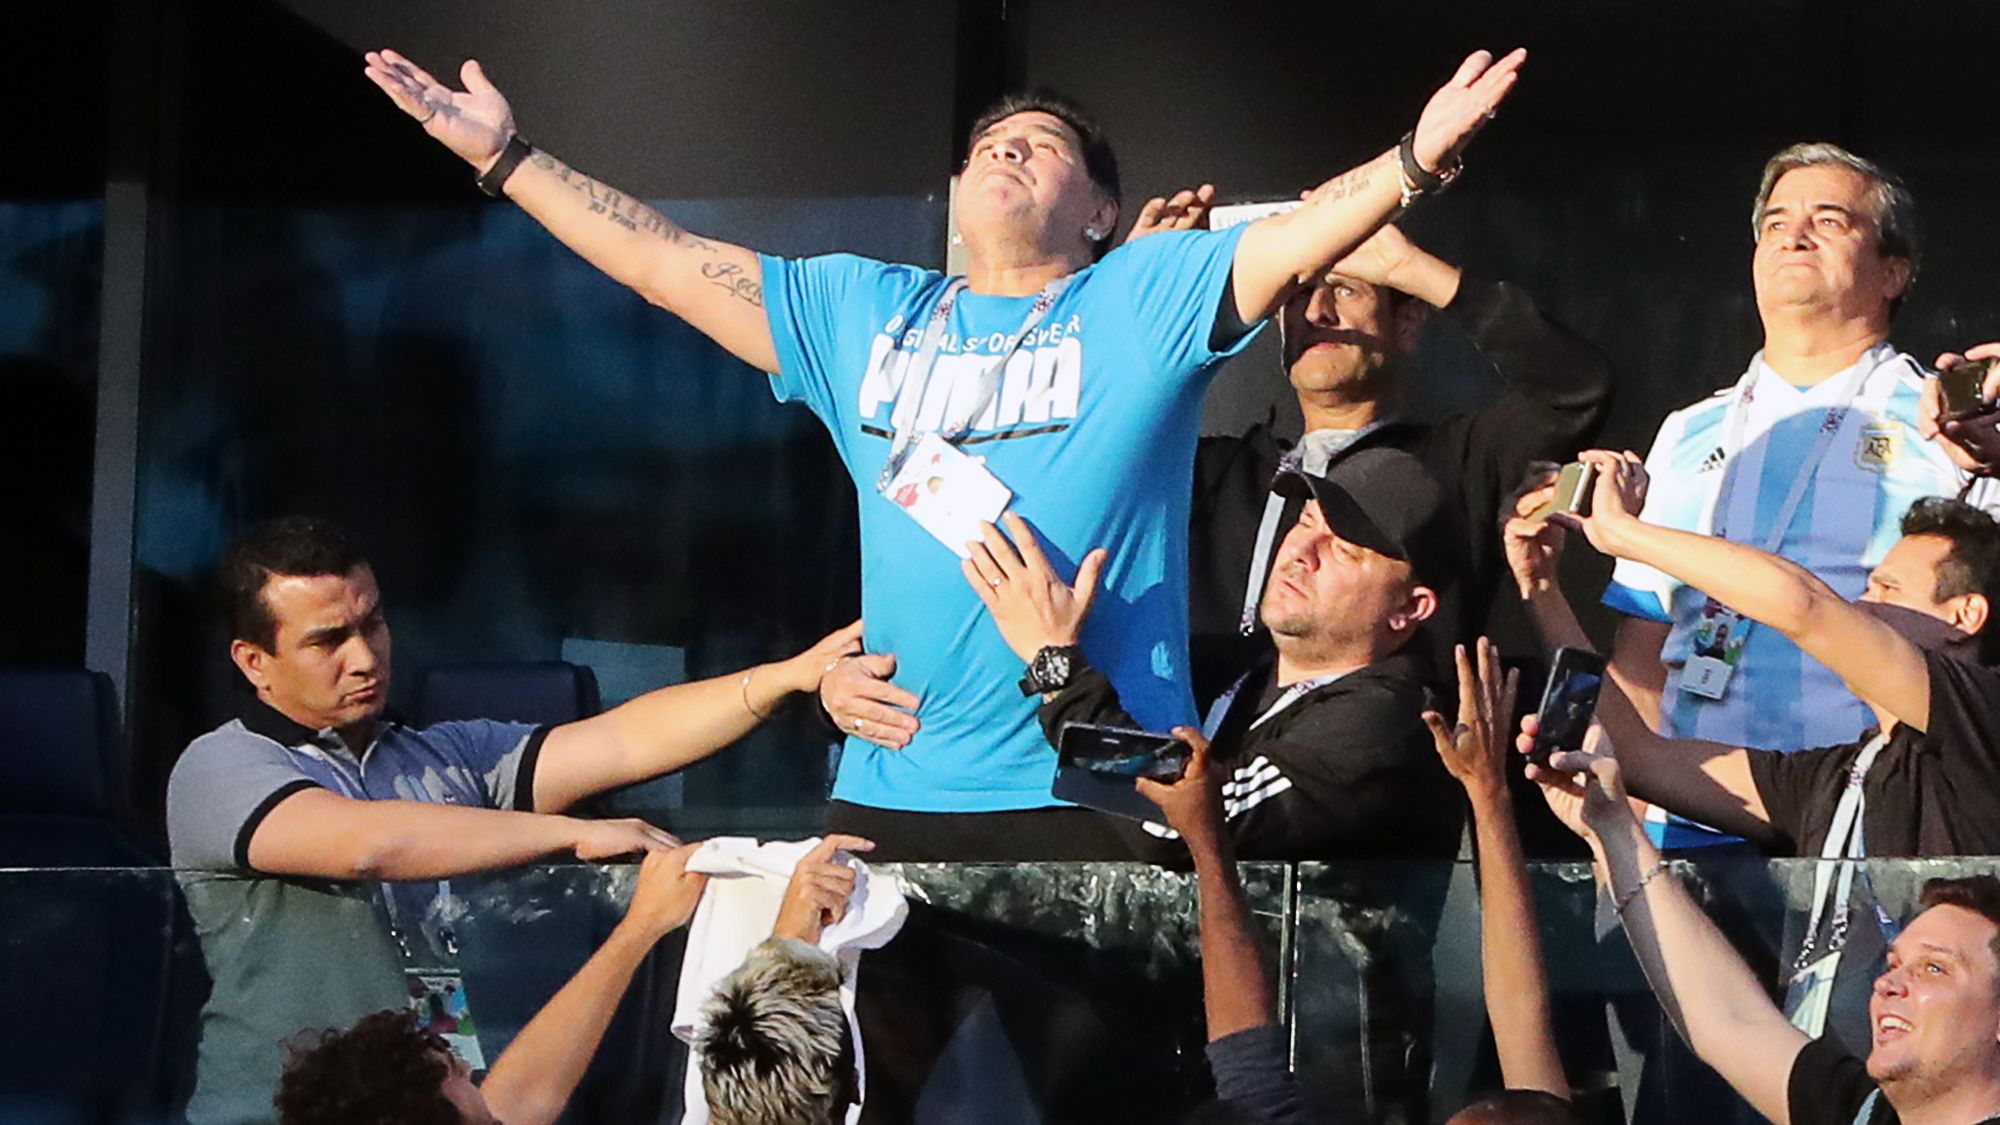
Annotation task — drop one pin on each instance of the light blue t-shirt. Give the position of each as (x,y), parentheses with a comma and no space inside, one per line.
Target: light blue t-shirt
(1093,430)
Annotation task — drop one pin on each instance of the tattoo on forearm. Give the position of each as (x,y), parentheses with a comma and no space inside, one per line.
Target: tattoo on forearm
(1354,181)
(617,207)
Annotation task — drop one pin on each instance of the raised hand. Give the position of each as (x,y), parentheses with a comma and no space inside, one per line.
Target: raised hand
(1462,106)
(822,885)
(1615,500)
(1186,209)
(857,693)
(1582,787)
(1533,546)
(1378,260)
(1973,444)
(1031,604)
(1475,751)
(474,123)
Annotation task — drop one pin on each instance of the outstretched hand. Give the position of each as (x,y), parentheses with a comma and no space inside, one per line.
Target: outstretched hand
(1031,604)
(1463,106)
(475,123)
(1186,209)
(1475,751)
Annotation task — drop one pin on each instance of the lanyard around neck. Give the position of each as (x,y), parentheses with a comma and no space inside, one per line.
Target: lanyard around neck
(1830,426)
(916,383)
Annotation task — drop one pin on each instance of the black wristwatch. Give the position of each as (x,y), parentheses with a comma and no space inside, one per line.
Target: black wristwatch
(1052,669)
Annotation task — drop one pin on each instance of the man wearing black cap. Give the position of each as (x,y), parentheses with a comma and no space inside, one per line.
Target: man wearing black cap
(1326,741)
(1922,782)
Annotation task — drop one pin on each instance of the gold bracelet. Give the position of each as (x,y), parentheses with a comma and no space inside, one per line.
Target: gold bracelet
(746,698)
(1622,901)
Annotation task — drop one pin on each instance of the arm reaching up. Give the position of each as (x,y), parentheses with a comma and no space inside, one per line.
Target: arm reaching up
(1718,1004)
(1276,253)
(716,287)
(534,1078)
(1510,946)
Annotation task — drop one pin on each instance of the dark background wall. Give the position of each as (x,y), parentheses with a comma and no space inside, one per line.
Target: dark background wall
(335,321)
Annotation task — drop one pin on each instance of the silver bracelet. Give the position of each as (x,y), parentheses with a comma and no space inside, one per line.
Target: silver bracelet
(1620,902)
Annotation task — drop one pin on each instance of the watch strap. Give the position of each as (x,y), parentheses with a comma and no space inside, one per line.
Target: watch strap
(494,178)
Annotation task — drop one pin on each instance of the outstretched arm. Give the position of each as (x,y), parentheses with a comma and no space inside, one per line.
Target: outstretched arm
(1510,945)
(535,1076)
(716,287)
(664,730)
(1706,781)
(1718,1004)
(1878,664)
(1276,253)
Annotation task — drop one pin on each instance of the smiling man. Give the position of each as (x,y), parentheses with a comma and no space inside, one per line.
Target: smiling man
(1053,378)
(1814,455)
(1933,1053)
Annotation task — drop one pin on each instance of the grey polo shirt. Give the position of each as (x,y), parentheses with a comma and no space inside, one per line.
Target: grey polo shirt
(287,954)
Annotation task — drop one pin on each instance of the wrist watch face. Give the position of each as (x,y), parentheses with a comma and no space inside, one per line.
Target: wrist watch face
(1052,667)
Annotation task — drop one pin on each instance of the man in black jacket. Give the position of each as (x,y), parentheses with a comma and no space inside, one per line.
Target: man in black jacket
(1326,741)
(1347,341)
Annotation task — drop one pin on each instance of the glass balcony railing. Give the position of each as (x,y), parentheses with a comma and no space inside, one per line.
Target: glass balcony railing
(1029,992)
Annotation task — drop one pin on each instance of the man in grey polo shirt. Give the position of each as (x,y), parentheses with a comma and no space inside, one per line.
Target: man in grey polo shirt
(316,835)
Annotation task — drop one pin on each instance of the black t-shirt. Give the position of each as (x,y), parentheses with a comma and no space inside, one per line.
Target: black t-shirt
(1828,1087)
(1929,793)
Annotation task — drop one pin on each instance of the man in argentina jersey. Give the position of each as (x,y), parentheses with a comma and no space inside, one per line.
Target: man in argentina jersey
(1101,367)
(1814,454)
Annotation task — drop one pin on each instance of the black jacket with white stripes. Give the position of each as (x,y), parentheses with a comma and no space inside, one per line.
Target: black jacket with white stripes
(1347,771)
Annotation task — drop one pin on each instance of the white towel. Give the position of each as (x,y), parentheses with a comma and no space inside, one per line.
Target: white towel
(745,887)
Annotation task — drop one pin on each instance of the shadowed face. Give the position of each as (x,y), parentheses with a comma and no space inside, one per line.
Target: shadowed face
(1344,335)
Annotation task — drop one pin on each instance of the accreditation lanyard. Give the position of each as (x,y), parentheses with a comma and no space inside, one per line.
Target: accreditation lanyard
(1846,842)
(916,383)
(1829,429)
(351,786)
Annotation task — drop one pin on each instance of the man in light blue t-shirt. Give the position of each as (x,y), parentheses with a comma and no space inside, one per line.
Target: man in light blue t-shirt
(1076,375)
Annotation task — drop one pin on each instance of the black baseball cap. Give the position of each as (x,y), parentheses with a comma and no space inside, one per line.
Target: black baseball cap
(1384,500)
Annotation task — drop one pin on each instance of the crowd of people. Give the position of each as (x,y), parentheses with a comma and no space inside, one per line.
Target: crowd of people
(1805,573)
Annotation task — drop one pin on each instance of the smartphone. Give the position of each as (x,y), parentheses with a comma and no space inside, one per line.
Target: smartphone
(1099,766)
(1573,487)
(1569,699)
(1964,389)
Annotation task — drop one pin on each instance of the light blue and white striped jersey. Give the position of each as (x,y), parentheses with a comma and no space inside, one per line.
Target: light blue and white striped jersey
(1849,517)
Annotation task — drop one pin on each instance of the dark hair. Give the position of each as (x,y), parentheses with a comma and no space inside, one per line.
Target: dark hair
(303,546)
(1519,1107)
(1972,565)
(382,1069)
(1977,893)
(1099,162)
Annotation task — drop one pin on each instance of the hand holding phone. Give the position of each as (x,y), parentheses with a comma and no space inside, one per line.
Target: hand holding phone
(1569,700)
(1573,488)
(1099,767)
(1962,390)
